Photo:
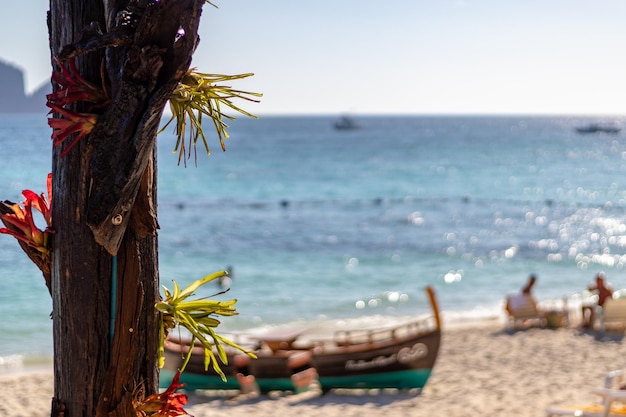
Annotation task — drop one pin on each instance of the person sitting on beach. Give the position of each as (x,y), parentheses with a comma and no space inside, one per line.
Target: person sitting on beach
(603,290)
(523,297)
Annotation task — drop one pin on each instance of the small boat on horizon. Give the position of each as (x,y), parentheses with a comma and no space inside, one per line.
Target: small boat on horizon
(346,123)
(598,128)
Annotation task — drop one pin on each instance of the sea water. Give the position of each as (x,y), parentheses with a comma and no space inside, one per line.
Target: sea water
(324,226)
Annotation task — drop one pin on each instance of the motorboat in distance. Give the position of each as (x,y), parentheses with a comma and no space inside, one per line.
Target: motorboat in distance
(346,123)
(598,128)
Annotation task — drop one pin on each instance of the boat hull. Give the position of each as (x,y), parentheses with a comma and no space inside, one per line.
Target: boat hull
(400,357)
(405,363)
(596,128)
(401,364)
(402,380)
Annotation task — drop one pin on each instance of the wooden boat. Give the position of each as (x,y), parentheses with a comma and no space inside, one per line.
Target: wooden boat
(400,357)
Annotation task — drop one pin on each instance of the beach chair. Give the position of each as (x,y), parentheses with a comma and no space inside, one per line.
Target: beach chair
(613,314)
(613,401)
(522,310)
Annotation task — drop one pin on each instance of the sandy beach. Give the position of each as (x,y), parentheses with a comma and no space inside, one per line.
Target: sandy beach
(481,371)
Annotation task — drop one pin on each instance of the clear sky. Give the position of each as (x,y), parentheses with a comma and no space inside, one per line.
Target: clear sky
(394,56)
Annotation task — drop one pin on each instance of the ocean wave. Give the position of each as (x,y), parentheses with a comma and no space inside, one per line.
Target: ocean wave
(11,361)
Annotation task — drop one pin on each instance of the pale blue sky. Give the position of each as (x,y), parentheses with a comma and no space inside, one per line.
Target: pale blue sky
(409,56)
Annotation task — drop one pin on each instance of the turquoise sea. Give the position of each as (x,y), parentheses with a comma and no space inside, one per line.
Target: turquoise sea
(325,226)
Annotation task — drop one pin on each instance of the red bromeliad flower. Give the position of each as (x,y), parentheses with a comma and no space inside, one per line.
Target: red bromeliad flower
(27,231)
(39,201)
(73,88)
(167,403)
(21,219)
(80,123)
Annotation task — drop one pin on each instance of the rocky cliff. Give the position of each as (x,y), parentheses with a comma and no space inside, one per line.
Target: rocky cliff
(13,99)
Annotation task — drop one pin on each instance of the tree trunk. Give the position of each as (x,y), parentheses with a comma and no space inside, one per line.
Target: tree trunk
(104,200)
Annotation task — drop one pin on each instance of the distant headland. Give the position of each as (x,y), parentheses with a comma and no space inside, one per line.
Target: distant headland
(13,98)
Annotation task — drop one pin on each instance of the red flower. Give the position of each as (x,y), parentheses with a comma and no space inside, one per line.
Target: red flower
(40,203)
(167,403)
(24,227)
(80,123)
(75,88)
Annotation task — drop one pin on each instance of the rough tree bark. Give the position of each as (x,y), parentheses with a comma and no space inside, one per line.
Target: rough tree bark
(104,199)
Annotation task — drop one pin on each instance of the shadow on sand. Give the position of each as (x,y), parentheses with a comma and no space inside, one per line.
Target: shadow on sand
(314,396)
(609,335)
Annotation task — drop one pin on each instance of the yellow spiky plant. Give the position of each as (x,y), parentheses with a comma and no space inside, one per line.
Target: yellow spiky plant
(197,95)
